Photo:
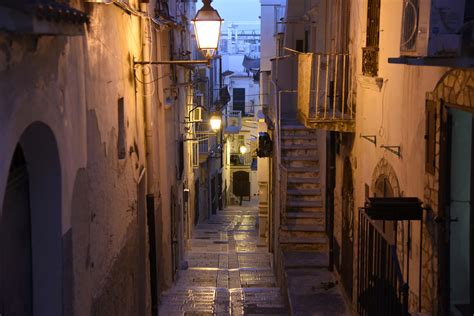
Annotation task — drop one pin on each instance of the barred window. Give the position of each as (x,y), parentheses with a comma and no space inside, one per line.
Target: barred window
(370,53)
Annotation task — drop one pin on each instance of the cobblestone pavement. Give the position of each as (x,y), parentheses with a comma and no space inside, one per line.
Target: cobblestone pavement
(228,272)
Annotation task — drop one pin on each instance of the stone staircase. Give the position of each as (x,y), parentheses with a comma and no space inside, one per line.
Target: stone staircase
(303,226)
(303,264)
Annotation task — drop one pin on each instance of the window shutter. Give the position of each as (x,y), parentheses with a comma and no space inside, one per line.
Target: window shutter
(430,137)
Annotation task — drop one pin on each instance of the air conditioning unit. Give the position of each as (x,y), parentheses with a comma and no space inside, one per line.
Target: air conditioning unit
(196,115)
(431,28)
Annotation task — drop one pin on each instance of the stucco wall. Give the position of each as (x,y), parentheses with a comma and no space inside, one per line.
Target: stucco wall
(73,84)
(395,113)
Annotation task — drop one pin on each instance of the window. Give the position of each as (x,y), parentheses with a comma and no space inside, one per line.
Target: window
(238,97)
(370,53)
(121,141)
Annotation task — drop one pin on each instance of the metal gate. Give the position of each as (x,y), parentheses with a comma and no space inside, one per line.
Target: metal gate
(381,289)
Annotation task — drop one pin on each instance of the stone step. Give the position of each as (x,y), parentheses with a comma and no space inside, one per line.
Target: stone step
(304,192)
(303,228)
(299,158)
(299,137)
(288,234)
(301,163)
(303,174)
(293,127)
(302,198)
(303,180)
(299,146)
(304,244)
(303,186)
(304,218)
(303,169)
(304,204)
(313,153)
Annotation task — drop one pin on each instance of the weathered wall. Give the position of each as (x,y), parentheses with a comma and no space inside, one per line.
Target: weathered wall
(73,84)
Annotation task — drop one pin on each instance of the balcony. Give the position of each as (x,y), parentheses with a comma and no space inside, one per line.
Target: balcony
(233,122)
(324,94)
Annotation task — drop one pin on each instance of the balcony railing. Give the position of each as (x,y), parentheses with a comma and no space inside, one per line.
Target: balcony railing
(381,288)
(325,92)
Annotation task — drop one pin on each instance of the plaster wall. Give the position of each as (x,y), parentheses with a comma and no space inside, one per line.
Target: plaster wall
(73,84)
(268,30)
(391,107)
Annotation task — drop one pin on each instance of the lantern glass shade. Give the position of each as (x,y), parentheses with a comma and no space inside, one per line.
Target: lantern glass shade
(243,150)
(207,28)
(215,122)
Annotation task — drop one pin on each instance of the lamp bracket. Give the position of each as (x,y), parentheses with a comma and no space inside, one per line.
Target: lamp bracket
(183,63)
(370,138)
(393,149)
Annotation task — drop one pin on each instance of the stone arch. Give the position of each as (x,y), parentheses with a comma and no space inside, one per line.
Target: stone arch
(455,87)
(39,151)
(385,170)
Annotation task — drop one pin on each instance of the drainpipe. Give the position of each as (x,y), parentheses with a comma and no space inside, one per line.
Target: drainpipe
(150,188)
(330,185)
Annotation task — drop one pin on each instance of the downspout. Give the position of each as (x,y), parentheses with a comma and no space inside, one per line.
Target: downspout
(150,188)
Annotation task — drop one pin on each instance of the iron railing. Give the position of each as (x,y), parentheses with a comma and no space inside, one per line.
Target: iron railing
(381,288)
(330,103)
(283,191)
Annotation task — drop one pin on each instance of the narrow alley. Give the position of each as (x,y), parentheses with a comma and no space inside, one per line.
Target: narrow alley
(250,157)
(229,272)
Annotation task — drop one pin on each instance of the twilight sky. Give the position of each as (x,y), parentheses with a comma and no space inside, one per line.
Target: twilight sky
(236,10)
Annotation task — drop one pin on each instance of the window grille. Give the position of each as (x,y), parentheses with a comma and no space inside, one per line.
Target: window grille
(370,53)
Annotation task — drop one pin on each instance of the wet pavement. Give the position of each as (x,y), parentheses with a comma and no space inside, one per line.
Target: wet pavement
(228,272)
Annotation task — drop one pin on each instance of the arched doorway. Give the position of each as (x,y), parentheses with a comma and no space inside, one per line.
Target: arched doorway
(30,228)
(347,251)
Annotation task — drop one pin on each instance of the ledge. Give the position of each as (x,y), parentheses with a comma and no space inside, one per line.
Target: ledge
(454,62)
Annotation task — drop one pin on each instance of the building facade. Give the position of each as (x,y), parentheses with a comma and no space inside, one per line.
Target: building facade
(392,104)
(97,182)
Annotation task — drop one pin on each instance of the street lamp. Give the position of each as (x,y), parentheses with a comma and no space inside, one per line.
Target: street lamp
(216,122)
(243,149)
(207,27)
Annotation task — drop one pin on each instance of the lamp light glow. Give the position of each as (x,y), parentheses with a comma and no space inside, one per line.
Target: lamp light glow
(215,122)
(207,27)
(243,149)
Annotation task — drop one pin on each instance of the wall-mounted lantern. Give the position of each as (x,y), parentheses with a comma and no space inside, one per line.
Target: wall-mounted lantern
(243,149)
(207,27)
(215,121)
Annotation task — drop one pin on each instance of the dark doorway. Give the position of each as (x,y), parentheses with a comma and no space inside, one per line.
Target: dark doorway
(460,219)
(241,184)
(31,259)
(383,188)
(15,242)
(347,251)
